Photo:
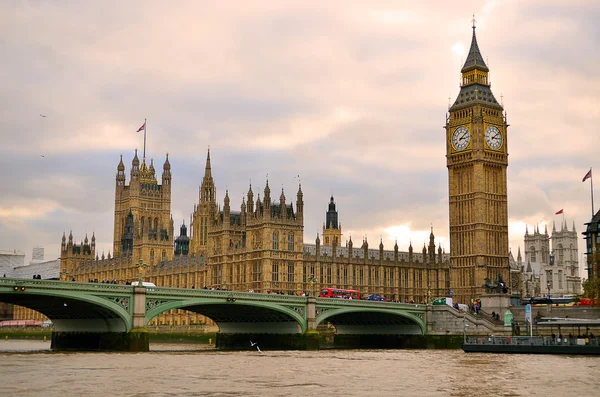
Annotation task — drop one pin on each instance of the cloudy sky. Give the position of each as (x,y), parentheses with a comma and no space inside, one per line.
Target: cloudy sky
(349,95)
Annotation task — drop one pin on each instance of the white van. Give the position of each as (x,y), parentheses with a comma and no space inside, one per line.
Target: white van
(144,284)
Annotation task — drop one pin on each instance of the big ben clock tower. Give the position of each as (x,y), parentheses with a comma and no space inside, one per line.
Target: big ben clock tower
(477,157)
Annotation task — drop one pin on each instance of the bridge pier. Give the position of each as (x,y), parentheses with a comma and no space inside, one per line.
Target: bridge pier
(134,341)
(311,314)
(139,307)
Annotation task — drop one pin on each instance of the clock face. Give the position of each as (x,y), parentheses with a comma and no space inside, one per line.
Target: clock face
(493,137)
(461,138)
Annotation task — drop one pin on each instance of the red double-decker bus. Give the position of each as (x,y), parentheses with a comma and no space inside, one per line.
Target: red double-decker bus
(339,293)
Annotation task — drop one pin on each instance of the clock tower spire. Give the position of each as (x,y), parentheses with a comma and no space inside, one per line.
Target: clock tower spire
(477,158)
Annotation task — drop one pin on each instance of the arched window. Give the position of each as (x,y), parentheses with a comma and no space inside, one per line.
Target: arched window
(275,240)
(291,242)
(571,252)
(152,257)
(560,254)
(164,255)
(532,253)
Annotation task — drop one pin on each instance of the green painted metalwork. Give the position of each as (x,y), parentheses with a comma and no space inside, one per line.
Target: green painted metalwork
(159,300)
(119,300)
(327,308)
(115,298)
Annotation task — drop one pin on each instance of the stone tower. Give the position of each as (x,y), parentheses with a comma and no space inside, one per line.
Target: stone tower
(332,229)
(565,264)
(476,157)
(143,224)
(71,254)
(204,212)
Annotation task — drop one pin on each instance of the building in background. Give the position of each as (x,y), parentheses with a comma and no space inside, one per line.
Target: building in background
(592,251)
(12,264)
(258,248)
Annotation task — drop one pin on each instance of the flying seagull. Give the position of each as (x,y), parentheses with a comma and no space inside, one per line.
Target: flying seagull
(42,155)
(43,115)
(255,344)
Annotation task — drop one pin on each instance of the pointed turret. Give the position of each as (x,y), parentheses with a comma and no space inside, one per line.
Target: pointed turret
(207,189)
(135,167)
(574,226)
(267,201)
(207,168)
(474,58)
(226,209)
(166,175)
(121,173)
(475,85)
(282,209)
(250,200)
(299,204)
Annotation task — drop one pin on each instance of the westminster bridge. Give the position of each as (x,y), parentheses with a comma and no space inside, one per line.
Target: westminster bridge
(114,317)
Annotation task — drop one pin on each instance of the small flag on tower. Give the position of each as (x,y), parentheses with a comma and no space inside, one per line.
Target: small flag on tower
(587,176)
(558,212)
(142,128)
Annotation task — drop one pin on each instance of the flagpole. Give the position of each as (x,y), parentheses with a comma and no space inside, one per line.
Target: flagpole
(592,189)
(145,139)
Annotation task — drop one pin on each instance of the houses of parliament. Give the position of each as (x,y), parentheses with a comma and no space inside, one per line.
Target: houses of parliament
(259,246)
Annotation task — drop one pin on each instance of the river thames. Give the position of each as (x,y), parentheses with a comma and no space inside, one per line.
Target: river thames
(29,368)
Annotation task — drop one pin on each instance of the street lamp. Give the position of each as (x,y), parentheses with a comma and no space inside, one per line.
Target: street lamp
(428,294)
(465,325)
(64,274)
(311,281)
(141,266)
(224,285)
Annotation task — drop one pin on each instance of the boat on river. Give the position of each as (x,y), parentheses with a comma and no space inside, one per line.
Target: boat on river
(531,345)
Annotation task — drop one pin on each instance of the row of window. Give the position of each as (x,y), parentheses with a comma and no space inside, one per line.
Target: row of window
(290,246)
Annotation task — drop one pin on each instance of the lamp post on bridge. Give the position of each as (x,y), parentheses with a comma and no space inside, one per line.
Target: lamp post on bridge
(465,326)
(429,294)
(64,275)
(311,280)
(141,266)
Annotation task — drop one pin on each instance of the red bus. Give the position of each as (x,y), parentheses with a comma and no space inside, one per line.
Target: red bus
(339,293)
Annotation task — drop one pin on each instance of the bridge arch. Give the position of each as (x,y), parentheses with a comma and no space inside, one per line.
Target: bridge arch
(71,310)
(361,320)
(239,316)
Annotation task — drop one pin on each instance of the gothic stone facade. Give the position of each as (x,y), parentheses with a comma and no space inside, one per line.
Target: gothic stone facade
(477,158)
(259,248)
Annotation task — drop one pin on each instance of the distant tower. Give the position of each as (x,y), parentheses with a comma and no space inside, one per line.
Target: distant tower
(332,230)
(142,226)
(182,243)
(477,158)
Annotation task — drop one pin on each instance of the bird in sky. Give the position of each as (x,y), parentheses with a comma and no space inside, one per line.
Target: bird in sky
(252,343)
(42,155)
(42,115)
